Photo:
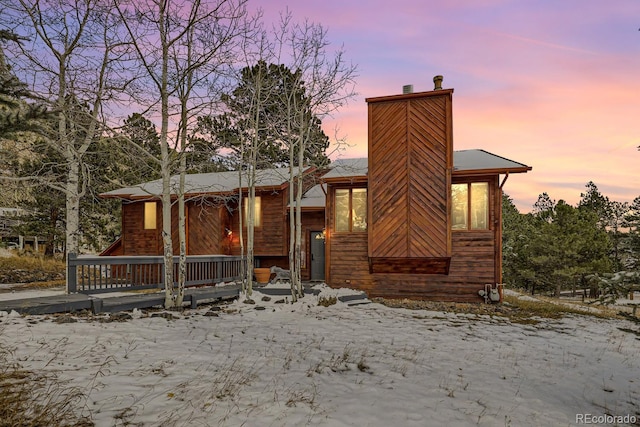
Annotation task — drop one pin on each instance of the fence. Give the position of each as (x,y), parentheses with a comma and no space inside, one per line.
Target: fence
(96,274)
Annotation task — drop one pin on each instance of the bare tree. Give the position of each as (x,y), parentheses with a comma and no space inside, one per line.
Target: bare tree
(322,83)
(289,83)
(180,47)
(69,56)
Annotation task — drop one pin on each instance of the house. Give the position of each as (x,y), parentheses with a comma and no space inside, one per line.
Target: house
(415,219)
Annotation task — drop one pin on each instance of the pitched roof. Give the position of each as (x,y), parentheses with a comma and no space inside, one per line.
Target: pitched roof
(465,162)
(481,161)
(199,183)
(315,198)
(347,168)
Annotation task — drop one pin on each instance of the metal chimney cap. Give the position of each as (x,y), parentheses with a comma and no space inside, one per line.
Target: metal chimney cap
(437,80)
(407,89)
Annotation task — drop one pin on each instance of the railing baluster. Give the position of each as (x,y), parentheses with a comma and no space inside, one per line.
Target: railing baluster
(90,274)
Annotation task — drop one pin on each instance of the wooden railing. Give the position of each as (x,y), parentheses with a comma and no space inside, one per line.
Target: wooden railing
(95,274)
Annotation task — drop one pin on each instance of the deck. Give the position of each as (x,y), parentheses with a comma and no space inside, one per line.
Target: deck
(68,303)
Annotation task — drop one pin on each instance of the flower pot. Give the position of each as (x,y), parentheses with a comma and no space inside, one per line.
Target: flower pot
(262,275)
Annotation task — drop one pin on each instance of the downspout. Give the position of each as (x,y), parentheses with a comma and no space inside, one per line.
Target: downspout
(500,286)
(504,180)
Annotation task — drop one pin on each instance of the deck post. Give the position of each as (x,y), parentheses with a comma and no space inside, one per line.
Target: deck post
(72,273)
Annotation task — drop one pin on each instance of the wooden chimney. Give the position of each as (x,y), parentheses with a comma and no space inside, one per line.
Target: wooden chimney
(410,165)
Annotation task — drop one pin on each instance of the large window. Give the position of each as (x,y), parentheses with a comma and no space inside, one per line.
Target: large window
(258,212)
(470,206)
(150,216)
(351,209)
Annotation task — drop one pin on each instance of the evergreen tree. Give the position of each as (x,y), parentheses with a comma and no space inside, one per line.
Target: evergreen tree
(16,114)
(554,248)
(228,131)
(44,205)
(610,216)
(595,202)
(632,222)
(544,207)
(518,231)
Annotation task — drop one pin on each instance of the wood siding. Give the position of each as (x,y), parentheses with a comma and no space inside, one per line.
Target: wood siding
(205,230)
(430,162)
(475,260)
(135,239)
(472,266)
(410,162)
(270,239)
(388,176)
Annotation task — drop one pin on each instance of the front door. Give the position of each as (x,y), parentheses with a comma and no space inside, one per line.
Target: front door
(317,255)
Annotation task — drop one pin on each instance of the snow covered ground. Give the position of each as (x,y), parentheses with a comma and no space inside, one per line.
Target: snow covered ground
(282,364)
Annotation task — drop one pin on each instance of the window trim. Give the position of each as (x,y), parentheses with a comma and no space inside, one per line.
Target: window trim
(468,228)
(335,208)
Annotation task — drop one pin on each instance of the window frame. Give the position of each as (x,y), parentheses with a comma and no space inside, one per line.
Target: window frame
(350,219)
(470,206)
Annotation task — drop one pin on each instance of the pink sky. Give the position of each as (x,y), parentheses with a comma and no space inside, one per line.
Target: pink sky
(554,85)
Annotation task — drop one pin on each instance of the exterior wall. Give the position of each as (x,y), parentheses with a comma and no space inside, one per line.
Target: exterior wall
(135,239)
(204,230)
(347,260)
(475,260)
(410,163)
(270,239)
(311,221)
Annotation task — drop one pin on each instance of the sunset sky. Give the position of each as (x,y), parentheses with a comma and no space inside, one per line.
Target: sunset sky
(552,84)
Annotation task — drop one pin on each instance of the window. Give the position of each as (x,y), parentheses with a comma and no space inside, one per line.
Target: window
(351,209)
(257,220)
(150,215)
(470,206)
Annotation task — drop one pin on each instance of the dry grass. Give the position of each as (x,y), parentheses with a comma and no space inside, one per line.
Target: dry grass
(50,265)
(36,270)
(517,310)
(30,399)
(555,309)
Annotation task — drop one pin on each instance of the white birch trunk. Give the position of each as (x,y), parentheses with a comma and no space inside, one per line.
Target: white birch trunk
(167,241)
(300,181)
(182,234)
(292,223)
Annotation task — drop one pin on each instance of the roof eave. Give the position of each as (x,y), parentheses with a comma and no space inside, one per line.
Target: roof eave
(495,171)
(345,180)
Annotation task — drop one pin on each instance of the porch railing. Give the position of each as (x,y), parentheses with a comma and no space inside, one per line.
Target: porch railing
(96,274)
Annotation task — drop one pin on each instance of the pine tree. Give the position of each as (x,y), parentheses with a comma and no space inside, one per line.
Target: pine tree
(229,129)
(16,114)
